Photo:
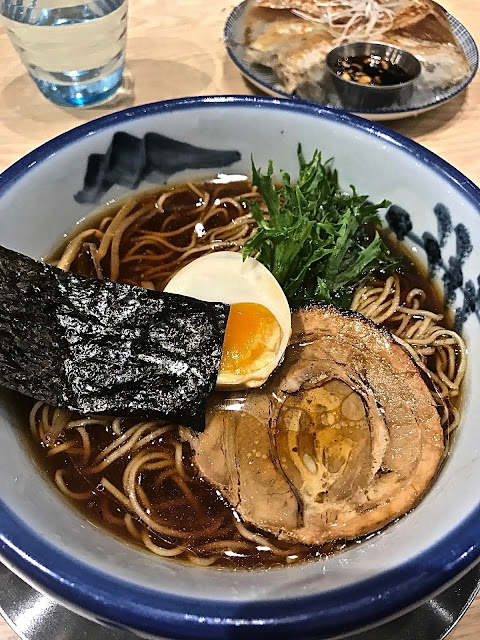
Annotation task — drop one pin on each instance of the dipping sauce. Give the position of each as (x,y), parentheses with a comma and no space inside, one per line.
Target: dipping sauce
(370,70)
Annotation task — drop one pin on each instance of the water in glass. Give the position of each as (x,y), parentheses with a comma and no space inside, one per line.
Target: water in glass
(74,52)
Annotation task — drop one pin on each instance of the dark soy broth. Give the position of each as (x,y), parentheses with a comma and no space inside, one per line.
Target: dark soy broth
(183,501)
(181,212)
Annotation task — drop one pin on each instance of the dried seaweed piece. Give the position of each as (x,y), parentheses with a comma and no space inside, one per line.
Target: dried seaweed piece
(100,347)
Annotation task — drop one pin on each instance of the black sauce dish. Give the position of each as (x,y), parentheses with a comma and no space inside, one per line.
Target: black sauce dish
(395,70)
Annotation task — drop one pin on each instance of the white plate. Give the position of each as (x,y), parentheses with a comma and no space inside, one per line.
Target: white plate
(421,101)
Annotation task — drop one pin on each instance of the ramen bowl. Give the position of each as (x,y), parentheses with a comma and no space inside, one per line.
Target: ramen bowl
(58,551)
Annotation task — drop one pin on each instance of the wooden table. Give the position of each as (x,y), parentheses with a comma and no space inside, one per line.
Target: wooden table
(175,49)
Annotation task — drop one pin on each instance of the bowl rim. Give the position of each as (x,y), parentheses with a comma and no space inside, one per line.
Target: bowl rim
(152,611)
(372,87)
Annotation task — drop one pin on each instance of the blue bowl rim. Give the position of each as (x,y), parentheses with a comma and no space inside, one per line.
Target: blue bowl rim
(447,95)
(332,613)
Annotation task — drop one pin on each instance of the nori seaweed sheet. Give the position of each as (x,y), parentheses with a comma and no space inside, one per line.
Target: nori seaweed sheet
(95,346)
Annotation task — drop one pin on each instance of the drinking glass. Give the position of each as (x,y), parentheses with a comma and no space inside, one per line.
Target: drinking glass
(74,51)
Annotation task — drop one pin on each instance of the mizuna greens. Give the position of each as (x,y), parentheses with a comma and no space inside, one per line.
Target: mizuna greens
(317,239)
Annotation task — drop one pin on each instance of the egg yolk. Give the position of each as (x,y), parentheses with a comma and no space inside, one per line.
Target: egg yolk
(252,339)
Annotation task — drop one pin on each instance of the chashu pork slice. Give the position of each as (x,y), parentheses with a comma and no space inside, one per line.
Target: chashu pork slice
(343,439)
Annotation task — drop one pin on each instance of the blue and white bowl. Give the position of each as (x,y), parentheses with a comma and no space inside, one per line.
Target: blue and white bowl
(421,100)
(45,541)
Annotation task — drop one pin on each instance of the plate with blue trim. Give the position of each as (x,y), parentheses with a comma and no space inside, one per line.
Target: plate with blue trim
(423,99)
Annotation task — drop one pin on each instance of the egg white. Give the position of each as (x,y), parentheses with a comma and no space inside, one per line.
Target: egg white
(224,276)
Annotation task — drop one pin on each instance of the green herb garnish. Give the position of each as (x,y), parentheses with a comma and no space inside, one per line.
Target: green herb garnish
(316,239)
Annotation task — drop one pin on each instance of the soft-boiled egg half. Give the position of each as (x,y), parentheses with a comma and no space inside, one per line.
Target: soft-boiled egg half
(259,324)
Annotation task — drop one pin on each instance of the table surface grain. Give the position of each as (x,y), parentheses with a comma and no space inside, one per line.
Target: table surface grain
(175,49)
